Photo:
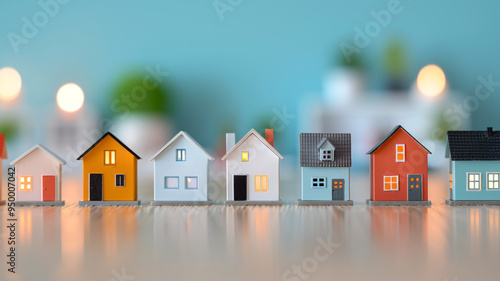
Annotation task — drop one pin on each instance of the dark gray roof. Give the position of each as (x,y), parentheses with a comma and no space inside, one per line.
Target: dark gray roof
(309,152)
(474,145)
(390,135)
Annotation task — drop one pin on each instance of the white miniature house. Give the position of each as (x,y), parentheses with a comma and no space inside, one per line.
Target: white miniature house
(181,172)
(252,170)
(39,177)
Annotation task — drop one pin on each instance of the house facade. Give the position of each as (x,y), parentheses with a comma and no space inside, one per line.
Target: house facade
(109,171)
(325,161)
(181,170)
(398,168)
(252,168)
(474,165)
(39,175)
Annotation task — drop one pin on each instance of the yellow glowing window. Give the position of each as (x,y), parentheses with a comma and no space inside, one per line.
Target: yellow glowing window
(261,183)
(26,183)
(109,157)
(244,156)
(400,152)
(391,183)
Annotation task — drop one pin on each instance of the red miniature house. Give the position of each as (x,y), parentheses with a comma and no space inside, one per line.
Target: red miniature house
(398,168)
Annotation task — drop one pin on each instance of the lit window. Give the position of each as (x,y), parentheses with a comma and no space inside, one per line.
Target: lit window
(338,184)
(493,181)
(474,181)
(261,183)
(326,154)
(391,183)
(109,157)
(171,182)
(318,182)
(244,156)
(181,155)
(26,183)
(191,182)
(400,152)
(119,180)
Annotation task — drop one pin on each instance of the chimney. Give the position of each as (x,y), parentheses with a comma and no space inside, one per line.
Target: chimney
(270,136)
(490,131)
(230,141)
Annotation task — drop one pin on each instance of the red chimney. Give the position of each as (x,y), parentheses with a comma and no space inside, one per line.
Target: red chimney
(270,136)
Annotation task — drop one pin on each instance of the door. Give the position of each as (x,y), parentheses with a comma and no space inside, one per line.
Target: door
(95,188)
(338,189)
(49,188)
(240,188)
(414,187)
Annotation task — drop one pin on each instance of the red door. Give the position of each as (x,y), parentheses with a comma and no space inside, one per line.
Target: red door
(49,188)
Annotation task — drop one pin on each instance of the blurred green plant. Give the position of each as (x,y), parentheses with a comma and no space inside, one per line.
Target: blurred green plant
(136,93)
(9,128)
(396,64)
(355,61)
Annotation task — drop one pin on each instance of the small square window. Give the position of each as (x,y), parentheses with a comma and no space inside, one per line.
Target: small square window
(25,183)
(493,181)
(109,157)
(180,155)
(119,180)
(171,182)
(318,182)
(326,154)
(391,183)
(191,182)
(244,156)
(474,181)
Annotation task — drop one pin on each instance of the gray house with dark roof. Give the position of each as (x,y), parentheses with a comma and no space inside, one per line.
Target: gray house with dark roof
(325,161)
(474,166)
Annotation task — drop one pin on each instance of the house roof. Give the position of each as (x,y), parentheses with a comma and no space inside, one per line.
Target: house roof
(3,149)
(190,139)
(390,135)
(115,138)
(259,137)
(311,142)
(39,146)
(473,145)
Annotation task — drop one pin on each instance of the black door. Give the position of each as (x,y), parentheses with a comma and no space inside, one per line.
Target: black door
(240,188)
(414,187)
(95,187)
(338,189)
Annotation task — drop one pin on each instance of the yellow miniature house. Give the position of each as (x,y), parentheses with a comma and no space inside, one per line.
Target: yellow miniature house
(109,173)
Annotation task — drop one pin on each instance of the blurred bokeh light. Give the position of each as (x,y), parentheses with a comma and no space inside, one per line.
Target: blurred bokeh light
(70,97)
(10,83)
(431,80)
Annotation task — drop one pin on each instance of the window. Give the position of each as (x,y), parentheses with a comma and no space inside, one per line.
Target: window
(473,181)
(191,182)
(391,183)
(318,182)
(261,183)
(400,152)
(109,157)
(244,156)
(326,154)
(119,180)
(181,155)
(492,180)
(171,182)
(26,183)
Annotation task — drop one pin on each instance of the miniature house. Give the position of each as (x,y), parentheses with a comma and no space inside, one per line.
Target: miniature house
(39,177)
(109,173)
(398,170)
(181,171)
(325,161)
(3,155)
(252,169)
(474,166)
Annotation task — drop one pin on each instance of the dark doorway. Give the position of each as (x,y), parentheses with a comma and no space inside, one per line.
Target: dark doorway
(240,188)
(414,187)
(338,189)
(95,189)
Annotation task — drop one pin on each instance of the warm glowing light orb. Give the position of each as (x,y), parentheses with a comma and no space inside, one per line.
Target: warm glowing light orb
(70,97)
(10,83)
(431,80)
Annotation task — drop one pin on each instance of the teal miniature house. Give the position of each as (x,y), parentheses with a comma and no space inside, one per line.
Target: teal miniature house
(325,162)
(474,166)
